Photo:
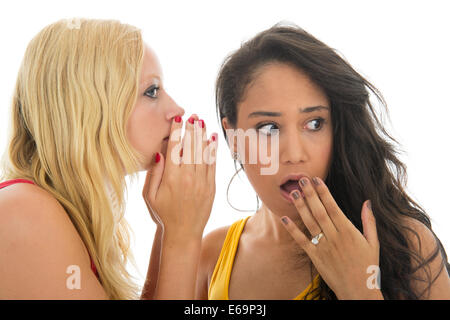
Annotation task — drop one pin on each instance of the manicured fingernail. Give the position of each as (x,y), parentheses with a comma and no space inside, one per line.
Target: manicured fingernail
(191,120)
(304,181)
(296,195)
(213,137)
(285,220)
(178,119)
(181,152)
(157,157)
(201,123)
(316,181)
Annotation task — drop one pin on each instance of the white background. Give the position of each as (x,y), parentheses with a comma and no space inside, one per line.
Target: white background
(400,46)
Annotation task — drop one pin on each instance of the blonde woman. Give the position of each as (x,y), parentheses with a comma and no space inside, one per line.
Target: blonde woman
(88,109)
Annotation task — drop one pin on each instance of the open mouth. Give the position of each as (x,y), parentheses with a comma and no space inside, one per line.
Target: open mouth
(289,186)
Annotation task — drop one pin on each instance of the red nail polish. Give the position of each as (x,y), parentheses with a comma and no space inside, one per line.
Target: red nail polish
(213,137)
(157,157)
(202,123)
(178,119)
(191,120)
(181,152)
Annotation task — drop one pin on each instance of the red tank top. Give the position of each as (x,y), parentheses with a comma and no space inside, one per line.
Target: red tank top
(10,182)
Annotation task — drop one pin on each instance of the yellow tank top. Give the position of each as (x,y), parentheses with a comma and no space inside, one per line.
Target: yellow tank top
(220,280)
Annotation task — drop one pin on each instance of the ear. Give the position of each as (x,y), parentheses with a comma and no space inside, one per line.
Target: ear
(225,123)
(227,126)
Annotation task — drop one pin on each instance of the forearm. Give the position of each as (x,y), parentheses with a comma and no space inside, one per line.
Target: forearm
(178,267)
(151,281)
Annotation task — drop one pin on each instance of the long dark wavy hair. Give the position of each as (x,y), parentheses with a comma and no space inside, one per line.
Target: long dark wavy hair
(365,163)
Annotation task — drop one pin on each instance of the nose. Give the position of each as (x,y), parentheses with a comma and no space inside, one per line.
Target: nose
(173,109)
(293,148)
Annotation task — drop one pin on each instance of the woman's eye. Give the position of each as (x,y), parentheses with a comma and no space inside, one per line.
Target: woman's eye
(152,92)
(271,128)
(319,122)
(266,130)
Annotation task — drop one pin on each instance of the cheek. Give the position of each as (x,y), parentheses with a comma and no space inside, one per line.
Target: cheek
(323,154)
(257,158)
(259,182)
(323,151)
(259,149)
(143,130)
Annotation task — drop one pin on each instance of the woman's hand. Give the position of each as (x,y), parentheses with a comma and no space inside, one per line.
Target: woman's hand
(344,257)
(179,191)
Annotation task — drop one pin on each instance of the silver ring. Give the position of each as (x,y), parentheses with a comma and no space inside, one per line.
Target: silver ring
(316,239)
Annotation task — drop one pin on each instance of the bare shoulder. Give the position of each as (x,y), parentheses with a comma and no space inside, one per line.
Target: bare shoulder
(424,243)
(38,245)
(216,237)
(419,235)
(421,238)
(26,208)
(18,197)
(212,245)
(29,209)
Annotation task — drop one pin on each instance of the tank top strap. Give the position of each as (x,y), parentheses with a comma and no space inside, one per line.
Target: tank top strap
(14,181)
(220,279)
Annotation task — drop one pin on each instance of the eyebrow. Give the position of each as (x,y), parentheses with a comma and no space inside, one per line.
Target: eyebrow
(149,79)
(278,114)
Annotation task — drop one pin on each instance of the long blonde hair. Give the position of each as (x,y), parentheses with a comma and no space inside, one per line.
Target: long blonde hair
(75,90)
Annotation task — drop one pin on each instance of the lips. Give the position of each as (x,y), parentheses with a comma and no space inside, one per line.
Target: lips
(293,177)
(290,183)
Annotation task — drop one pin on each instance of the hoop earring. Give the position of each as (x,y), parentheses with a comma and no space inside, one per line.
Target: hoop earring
(228,200)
